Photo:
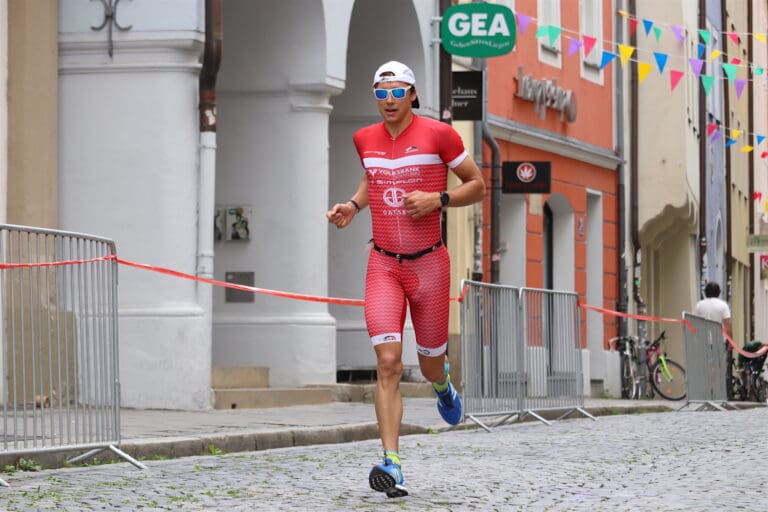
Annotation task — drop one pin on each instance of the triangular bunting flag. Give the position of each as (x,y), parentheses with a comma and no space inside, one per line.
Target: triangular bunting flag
(647,25)
(760,37)
(554,33)
(678,31)
(642,70)
(707,82)
(704,34)
(715,54)
(733,36)
(542,31)
(674,78)
(661,61)
(696,65)
(624,14)
(715,137)
(633,26)
(759,70)
(625,52)
(735,133)
(701,49)
(746,149)
(607,58)
(523,21)
(730,70)
(735,61)
(764,154)
(739,85)
(657,33)
(589,43)
(759,139)
(730,142)
(711,127)
(573,46)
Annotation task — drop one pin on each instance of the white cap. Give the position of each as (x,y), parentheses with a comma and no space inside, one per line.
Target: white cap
(400,73)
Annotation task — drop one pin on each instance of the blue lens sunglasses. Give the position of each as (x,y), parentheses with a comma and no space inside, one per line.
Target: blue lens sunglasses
(398,93)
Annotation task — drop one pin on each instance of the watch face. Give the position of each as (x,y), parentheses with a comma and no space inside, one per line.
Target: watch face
(444,198)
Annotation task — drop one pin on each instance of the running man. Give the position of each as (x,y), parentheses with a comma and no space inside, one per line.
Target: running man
(406,159)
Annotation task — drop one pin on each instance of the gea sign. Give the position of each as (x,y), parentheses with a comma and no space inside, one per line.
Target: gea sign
(478,30)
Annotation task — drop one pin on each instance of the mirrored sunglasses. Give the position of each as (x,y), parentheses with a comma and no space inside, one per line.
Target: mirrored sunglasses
(398,93)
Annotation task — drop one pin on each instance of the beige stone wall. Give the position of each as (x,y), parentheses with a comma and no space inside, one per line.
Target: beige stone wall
(32,189)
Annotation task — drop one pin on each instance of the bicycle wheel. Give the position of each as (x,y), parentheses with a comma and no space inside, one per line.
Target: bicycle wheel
(760,388)
(672,386)
(628,377)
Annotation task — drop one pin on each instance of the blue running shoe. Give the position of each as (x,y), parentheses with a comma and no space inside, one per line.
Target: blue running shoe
(449,404)
(388,478)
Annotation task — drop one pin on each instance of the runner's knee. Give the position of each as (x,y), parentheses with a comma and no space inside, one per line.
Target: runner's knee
(389,365)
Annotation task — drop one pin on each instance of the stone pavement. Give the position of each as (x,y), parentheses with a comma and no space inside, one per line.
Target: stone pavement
(697,461)
(169,434)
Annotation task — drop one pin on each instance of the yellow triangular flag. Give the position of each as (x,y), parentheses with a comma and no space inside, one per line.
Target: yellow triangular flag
(760,37)
(623,13)
(746,149)
(735,134)
(642,70)
(625,52)
(715,54)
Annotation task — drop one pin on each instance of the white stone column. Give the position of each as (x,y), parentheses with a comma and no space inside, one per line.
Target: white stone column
(128,165)
(273,158)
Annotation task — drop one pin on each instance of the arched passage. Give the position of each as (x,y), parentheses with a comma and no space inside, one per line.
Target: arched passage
(373,40)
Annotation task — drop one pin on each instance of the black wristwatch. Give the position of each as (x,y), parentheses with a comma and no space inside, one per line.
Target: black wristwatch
(444,198)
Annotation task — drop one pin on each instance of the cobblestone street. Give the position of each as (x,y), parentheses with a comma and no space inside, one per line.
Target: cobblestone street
(702,461)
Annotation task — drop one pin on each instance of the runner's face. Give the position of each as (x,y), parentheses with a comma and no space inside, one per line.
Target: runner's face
(393,110)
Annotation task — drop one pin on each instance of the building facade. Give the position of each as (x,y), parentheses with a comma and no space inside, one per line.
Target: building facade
(555,107)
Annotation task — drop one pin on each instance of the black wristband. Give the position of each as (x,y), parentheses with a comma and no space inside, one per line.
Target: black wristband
(354,203)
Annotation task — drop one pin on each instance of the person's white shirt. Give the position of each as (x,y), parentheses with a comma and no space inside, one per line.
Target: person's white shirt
(713,308)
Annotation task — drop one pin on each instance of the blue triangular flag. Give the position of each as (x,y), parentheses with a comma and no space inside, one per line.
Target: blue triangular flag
(647,25)
(661,60)
(730,142)
(702,49)
(760,139)
(607,58)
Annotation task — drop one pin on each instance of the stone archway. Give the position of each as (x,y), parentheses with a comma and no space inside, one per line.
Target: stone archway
(371,43)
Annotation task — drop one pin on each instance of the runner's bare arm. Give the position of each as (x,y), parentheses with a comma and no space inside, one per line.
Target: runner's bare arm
(341,214)
(471,190)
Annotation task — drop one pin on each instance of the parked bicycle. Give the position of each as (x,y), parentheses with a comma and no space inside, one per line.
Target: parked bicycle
(748,384)
(667,377)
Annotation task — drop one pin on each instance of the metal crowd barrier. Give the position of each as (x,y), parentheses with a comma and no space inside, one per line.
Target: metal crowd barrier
(705,364)
(521,353)
(60,388)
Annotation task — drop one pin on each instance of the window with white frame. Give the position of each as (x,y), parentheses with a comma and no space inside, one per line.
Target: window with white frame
(591,14)
(549,15)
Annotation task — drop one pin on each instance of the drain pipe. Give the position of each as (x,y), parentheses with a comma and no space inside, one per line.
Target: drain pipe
(642,329)
(495,178)
(620,170)
(207,108)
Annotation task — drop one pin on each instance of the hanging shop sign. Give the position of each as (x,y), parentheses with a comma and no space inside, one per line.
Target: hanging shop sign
(478,30)
(546,94)
(757,243)
(467,95)
(526,177)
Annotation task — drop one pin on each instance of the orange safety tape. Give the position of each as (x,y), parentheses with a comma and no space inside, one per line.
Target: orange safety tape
(639,317)
(175,273)
(4,266)
(750,355)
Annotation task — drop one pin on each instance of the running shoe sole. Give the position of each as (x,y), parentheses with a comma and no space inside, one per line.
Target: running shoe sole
(381,481)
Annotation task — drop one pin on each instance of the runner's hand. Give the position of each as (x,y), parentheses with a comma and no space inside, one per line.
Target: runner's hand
(341,214)
(419,204)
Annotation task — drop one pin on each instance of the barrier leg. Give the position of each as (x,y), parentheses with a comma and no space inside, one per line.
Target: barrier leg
(538,417)
(111,447)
